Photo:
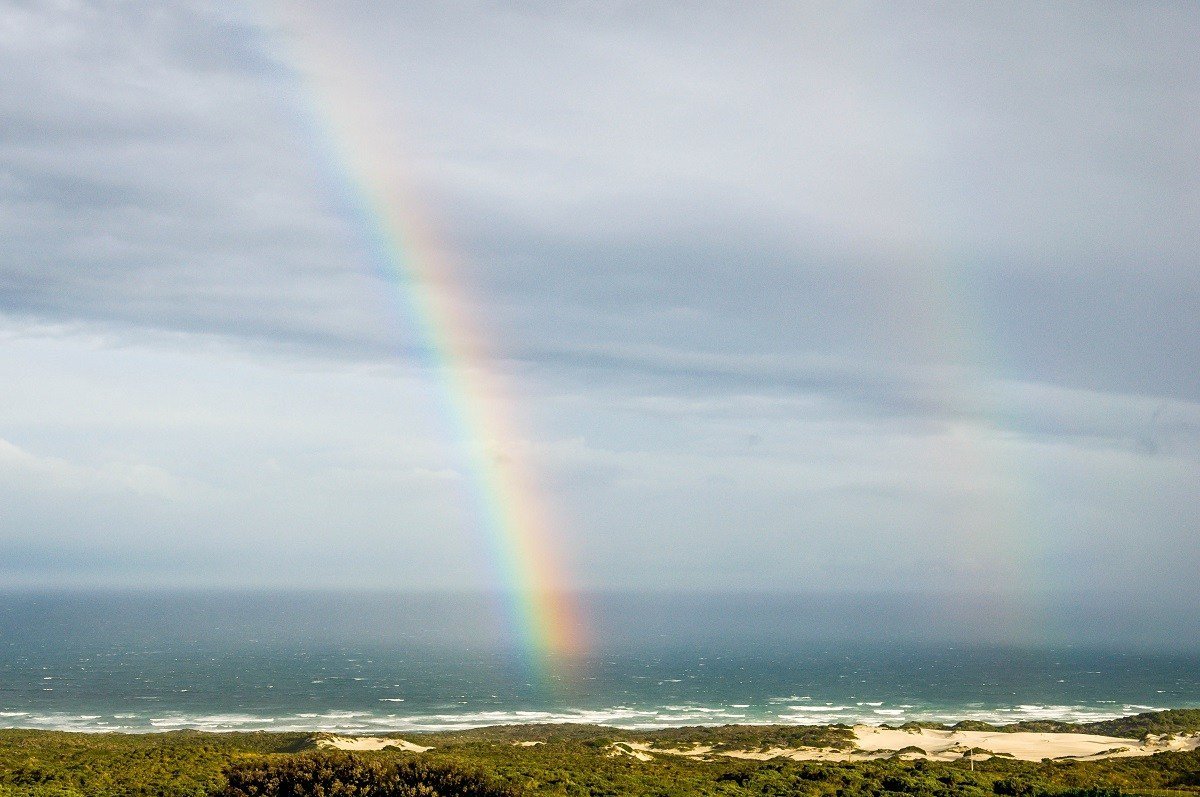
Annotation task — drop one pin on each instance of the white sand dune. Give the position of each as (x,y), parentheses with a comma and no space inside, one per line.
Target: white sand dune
(942,745)
(1025,745)
(367,743)
(633,750)
(873,742)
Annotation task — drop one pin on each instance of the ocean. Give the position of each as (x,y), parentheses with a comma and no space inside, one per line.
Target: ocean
(375,662)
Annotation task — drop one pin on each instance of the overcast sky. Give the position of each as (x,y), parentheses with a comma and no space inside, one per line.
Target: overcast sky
(795,296)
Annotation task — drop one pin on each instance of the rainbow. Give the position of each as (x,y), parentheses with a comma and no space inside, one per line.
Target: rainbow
(511,514)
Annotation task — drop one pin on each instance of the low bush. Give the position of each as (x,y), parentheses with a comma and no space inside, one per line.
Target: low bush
(347,775)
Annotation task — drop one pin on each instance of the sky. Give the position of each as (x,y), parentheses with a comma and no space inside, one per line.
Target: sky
(818,297)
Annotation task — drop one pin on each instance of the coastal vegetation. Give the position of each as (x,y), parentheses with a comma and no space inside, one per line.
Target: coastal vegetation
(347,775)
(567,760)
(1136,726)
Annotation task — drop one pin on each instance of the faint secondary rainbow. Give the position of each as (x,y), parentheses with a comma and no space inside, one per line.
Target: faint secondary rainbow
(508,507)
(1000,533)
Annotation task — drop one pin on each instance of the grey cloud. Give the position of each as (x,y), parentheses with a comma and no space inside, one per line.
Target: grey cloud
(766,268)
(148,188)
(646,175)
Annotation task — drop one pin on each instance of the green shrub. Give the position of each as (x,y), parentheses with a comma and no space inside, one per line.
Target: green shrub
(348,775)
(1012,788)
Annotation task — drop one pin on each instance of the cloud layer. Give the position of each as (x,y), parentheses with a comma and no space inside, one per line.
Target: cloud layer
(787,296)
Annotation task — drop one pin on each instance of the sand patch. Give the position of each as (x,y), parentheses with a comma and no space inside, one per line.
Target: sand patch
(948,745)
(940,745)
(1172,743)
(362,743)
(701,752)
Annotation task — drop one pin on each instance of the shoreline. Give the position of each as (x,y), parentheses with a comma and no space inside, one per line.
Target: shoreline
(622,717)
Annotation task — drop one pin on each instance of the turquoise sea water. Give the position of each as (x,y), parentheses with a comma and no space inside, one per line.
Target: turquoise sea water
(372,663)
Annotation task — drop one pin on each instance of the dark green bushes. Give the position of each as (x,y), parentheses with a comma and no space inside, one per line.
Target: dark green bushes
(1181,720)
(1013,788)
(348,775)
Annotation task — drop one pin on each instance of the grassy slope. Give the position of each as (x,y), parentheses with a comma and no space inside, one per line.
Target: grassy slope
(173,764)
(575,761)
